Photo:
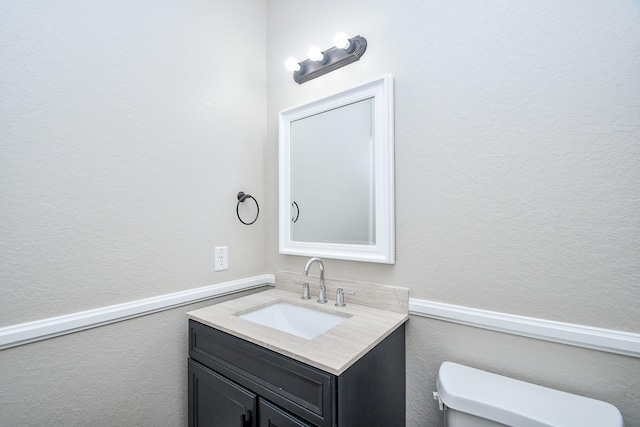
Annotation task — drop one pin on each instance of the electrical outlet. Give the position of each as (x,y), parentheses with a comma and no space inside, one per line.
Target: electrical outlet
(222,258)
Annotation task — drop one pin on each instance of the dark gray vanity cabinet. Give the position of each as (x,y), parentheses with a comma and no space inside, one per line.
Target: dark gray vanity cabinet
(233,382)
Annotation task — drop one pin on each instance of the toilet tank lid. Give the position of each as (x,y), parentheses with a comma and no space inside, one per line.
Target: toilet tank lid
(512,402)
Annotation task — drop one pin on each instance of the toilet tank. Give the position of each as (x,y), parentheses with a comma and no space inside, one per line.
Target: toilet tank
(475,398)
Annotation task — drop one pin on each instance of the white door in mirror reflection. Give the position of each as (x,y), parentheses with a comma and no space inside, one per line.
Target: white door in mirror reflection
(332,184)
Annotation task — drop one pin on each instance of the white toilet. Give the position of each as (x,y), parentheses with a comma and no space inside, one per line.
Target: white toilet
(474,398)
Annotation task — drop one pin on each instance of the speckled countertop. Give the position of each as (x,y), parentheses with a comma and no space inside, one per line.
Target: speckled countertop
(333,351)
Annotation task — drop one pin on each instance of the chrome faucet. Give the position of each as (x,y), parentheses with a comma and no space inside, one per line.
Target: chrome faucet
(322,296)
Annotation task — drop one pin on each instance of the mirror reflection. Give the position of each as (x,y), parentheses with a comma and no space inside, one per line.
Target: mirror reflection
(332,184)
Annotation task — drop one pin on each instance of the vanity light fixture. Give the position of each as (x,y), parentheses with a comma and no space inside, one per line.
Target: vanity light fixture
(345,51)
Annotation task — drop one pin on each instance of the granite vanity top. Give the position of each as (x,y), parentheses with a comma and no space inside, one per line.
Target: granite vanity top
(333,351)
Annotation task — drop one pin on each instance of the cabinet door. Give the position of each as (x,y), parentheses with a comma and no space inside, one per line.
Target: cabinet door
(214,401)
(272,416)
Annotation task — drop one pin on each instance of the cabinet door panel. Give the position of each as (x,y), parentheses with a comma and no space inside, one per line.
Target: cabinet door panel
(272,416)
(214,401)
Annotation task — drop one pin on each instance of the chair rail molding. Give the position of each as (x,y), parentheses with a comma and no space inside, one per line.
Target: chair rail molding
(608,340)
(24,333)
(612,341)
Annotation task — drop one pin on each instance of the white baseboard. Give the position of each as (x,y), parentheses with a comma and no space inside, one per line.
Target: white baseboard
(608,340)
(14,335)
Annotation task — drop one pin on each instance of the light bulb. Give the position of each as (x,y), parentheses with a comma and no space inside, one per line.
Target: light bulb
(292,64)
(341,41)
(315,54)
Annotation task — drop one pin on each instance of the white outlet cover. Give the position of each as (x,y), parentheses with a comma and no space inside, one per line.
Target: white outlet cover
(221,258)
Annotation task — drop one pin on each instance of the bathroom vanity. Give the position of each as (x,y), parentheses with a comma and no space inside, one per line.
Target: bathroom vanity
(246,374)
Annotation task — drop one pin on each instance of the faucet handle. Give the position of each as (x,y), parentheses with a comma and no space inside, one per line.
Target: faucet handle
(340,297)
(305,291)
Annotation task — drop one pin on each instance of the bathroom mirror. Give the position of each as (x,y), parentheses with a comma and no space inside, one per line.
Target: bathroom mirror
(336,175)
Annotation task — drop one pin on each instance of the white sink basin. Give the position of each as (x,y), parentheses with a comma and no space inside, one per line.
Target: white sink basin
(304,322)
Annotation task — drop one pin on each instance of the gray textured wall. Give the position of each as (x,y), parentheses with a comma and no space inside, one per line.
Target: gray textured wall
(517,173)
(127,129)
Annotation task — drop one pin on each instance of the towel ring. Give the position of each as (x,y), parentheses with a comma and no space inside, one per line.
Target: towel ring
(241,198)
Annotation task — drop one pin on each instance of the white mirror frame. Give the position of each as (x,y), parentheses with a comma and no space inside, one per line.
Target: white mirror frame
(381,90)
